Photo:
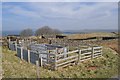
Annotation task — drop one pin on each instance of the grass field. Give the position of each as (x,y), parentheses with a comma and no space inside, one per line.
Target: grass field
(89,35)
(104,67)
(113,44)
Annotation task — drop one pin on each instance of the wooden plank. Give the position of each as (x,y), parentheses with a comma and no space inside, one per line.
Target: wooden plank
(48,57)
(79,56)
(97,54)
(43,61)
(101,52)
(86,53)
(21,52)
(29,56)
(67,58)
(66,62)
(68,53)
(44,58)
(92,52)
(16,46)
(97,47)
(73,51)
(37,68)
(55,64)
(9,40)
(98,51)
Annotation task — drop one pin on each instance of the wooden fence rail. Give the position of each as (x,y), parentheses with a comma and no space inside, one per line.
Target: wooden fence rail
(80,55)
(55,60)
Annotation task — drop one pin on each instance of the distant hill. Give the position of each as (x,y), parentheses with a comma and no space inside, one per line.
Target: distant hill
(89,31)
(16,32)
(5,33)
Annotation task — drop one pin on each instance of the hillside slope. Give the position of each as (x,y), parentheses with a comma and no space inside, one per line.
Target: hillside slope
(104,67)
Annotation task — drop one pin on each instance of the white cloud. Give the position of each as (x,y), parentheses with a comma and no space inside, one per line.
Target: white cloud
(66,10)
(17,10)
(69,14)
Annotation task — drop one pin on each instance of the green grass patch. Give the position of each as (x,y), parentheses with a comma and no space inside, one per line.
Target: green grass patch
(104,67)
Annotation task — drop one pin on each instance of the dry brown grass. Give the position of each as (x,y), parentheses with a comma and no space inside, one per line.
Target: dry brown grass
(97,34)
(113,44)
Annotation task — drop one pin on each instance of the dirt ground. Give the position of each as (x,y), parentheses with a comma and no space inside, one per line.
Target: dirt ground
(113,44)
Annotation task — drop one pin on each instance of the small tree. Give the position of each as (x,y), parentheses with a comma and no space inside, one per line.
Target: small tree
(47,31)
(26,33)
(43,31)
(56,31)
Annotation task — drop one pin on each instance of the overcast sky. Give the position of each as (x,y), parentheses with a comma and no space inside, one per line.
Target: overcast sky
(60,15)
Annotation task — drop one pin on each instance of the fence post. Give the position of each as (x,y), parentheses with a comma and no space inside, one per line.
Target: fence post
(21,52)
(29,56)
(68,49)
(16,46)
(48,57)
(40,59)
(79,56)
(9,40)
(65,51)
(56,50)
(37,68)
(55,67)
(9,43)
(101,51)
(92,52)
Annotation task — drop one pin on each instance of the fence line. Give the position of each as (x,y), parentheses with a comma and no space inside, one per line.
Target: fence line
(55,60)
(83,54)
(79,55)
